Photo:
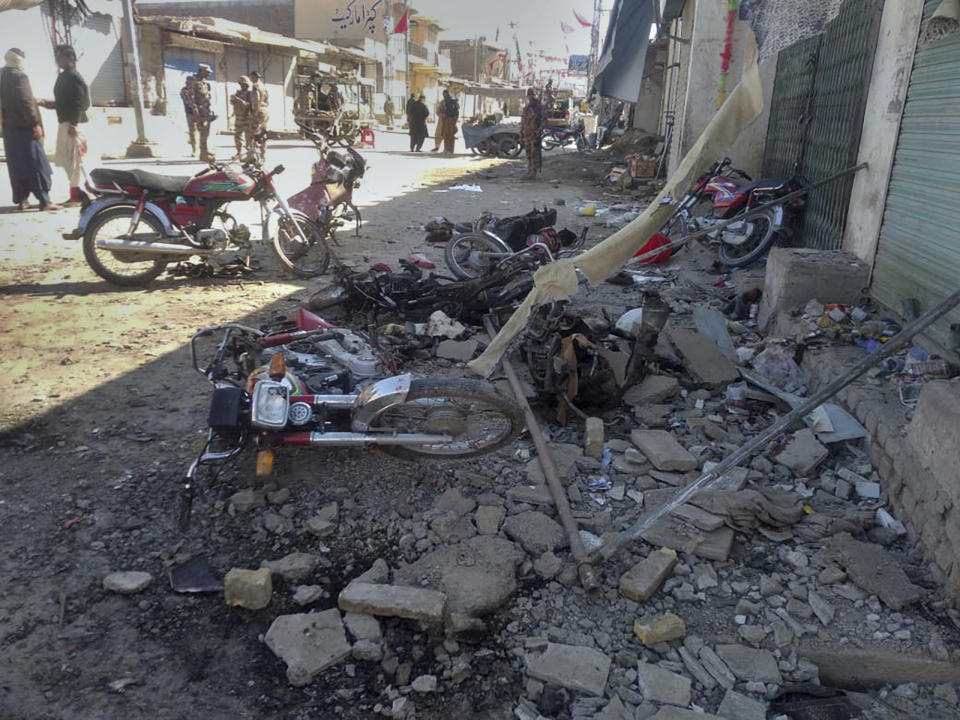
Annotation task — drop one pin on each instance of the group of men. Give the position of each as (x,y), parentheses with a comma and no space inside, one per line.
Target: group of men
(447,111)
(249,102)
(23,131)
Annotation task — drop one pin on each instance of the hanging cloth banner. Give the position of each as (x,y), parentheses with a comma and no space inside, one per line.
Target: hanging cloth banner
(580,20)
(559,279)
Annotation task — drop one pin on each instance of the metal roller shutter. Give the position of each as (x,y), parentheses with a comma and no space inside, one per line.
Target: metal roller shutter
(918,255)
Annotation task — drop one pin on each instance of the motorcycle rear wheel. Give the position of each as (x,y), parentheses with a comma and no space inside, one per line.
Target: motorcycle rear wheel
(549,142)
(756,246)
(302,259)
(466,254)
(110,264)
(479,419)
(510,146)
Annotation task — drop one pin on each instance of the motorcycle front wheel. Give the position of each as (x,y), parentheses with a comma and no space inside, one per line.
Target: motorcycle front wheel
(473,254)
(549,142)
(305,256)
(477,418)
(120,267)
(510,146)
(755,246)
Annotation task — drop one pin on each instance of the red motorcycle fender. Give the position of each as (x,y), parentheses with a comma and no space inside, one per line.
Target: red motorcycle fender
(376,398)
(104,203)
(309,200)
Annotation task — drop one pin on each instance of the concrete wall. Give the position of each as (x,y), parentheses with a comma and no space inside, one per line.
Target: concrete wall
(916,460)
(896,44)
(335,20)
(271,15)
(646,113)
(703,83)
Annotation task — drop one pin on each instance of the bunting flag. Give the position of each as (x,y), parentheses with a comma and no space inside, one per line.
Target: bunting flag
(565,28)
(580,20)
(401,24)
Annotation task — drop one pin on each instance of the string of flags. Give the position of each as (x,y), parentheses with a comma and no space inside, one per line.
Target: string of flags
(566,28)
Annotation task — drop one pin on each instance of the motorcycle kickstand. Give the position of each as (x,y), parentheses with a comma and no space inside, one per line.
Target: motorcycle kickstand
(187,494)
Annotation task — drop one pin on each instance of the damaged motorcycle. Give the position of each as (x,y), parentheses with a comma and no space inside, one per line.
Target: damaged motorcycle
(316,385)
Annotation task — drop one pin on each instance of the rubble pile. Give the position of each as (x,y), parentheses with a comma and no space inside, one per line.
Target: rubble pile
(741,604)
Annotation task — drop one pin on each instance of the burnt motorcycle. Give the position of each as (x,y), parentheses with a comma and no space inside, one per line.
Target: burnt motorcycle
(476,250)
(414,295)
(316,385)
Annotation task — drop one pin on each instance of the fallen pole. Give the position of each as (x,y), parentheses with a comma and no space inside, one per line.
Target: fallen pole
(752,213)
(585,570)
(706,480)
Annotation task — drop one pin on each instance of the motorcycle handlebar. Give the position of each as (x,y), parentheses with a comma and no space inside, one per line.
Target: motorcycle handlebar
(277,170)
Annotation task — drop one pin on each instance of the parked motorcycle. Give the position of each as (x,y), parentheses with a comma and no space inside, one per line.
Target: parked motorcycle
(717,196)
(474,251)
(317,386)
(140,222)
(328,200)
(555,137)
(415,296)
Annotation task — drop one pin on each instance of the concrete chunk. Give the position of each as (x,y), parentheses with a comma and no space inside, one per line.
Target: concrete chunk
(867,669)
(714,545)
(535,531)
(675,713)
(662,628)
(363,627)
(294,566)
(308,643)
(703,359)
(652,390)
(393,601)
(663,686)
(641,581)
(593,438)
(251,589)
(694,667)
(663,450)
(736,706)
(571,666)
(716,667)
(750,664)
(874,569)
(698,518)
(803,454)
(488,519)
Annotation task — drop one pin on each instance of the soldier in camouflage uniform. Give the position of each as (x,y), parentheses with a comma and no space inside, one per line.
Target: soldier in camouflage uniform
(186,95)
(258,118)
(241,116)
(201,109)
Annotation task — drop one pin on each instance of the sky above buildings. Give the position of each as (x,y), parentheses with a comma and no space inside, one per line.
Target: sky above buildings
(537,22)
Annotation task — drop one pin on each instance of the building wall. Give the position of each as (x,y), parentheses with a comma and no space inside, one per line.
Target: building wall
(646,113)
(332,20)
(703,83)
(892,64)
(271,15)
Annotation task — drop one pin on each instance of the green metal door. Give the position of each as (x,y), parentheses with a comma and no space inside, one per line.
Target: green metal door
(918,255)
(816,114)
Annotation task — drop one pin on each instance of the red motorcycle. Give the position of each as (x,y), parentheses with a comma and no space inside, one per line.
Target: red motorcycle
(557,137)
(717,196)
(140,222)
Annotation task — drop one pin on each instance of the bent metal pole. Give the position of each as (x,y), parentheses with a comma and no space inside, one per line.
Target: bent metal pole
(894,344)
(586,572)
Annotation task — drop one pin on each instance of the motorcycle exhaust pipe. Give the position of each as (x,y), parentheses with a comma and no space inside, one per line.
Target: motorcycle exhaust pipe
(151,248)
(351,439)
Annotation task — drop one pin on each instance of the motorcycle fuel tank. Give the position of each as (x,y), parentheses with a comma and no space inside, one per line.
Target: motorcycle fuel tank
(227,183)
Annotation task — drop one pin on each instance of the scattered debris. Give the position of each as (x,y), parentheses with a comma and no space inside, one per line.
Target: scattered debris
(127,582)
(251,589)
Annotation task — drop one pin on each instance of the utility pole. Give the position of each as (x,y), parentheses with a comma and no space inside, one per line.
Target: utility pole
(406,48)
(141,147)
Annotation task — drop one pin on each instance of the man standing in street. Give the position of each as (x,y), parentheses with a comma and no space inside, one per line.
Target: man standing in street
(438,130)
(200,109)
(418,124)
(186,95)
(451,111)
(531,124)
(410,101)
(388,111)
(259,102)
(23,135)
(241,116)
(71,101)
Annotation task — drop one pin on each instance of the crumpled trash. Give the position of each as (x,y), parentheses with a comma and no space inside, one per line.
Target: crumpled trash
(588,211)
(439,324)
(747,510)
(462,186)
(776,365)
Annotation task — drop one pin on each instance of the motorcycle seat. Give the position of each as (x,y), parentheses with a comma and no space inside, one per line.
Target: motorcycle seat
(107,177)
(764,184)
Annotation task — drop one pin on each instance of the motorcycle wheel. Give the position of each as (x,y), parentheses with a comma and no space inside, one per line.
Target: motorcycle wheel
(510,146)
(467,255)
(118,267)
(302,259)
(479,419)
(549,142)
(756,245)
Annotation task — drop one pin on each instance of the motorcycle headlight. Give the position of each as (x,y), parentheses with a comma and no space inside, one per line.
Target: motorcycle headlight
(271,402)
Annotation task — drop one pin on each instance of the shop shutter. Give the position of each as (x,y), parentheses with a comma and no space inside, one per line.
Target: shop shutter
(918,255)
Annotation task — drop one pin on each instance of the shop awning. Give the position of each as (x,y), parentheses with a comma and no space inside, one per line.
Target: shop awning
(620,68)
